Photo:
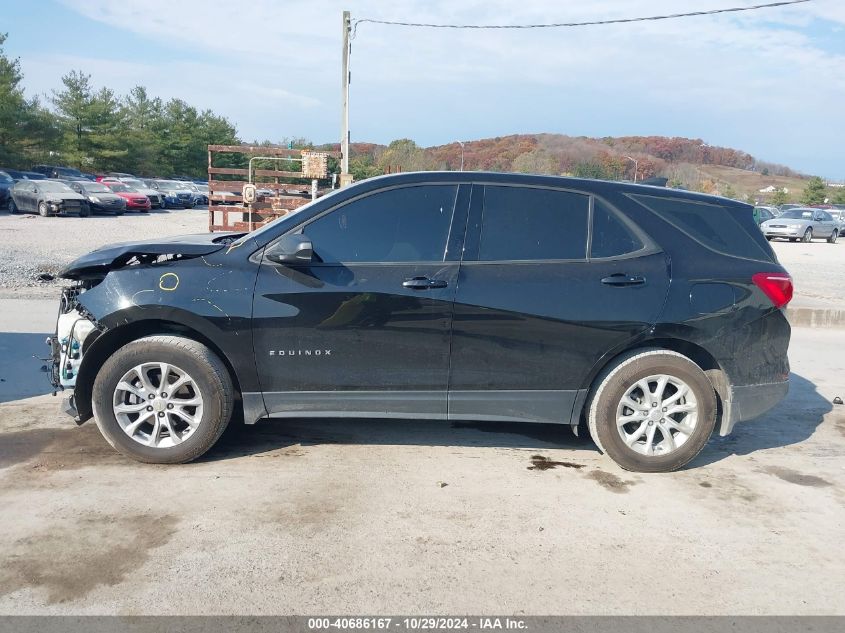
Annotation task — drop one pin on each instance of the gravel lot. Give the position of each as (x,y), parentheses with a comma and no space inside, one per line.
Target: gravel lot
(329,516)
(34,245)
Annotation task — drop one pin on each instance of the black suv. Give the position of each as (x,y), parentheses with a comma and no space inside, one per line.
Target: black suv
(647,315)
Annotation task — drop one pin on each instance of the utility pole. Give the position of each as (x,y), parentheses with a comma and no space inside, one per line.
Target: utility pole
(461,143)
(345,177)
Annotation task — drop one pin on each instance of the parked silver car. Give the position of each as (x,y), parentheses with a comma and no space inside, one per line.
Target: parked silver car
(803,224)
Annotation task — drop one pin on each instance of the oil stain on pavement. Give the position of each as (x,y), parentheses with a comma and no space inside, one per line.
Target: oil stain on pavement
(72,558)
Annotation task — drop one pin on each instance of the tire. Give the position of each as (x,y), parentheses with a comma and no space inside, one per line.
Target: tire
(43,210)
(119,212)
(618,381)
(84,211)
(210,383)
(833,237)
(808,236)
(13,208)
(769,239)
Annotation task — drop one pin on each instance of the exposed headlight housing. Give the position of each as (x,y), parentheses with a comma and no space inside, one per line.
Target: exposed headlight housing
(94,199)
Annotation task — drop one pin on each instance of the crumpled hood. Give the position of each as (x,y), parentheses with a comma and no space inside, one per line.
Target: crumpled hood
(98,263)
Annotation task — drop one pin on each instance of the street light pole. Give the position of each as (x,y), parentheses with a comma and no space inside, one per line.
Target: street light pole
(636,166)
(461,143)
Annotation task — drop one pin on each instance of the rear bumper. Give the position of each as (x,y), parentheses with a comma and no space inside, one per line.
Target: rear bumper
(746,402)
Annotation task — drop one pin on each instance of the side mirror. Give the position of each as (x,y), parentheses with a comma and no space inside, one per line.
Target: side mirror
(291,249)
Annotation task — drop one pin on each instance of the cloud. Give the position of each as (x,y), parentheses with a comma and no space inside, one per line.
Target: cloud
(733,77)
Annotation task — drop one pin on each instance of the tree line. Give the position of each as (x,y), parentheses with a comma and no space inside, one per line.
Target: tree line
(97,130)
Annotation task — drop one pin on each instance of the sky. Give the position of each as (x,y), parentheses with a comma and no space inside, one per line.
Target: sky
(769,82)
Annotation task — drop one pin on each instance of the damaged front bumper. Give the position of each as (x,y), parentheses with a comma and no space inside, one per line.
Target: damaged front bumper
(74,329)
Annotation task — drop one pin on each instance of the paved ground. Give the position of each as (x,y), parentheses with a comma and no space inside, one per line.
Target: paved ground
(394,517)
(422,517)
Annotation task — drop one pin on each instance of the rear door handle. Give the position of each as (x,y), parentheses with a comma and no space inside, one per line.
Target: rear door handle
(622,279)
(423,283)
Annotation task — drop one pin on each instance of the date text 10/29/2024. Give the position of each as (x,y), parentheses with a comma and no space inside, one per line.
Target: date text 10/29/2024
(418,623)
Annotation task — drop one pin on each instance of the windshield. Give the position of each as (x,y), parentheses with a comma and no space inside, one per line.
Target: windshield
(95,187)
(134,183)
(203,188)
(6,178)
(121,188)
(54,187)
(796,214)
(169,184)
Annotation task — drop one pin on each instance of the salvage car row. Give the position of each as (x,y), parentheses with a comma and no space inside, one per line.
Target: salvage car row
(115,194)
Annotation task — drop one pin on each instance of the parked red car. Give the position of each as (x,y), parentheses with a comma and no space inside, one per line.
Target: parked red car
(135,200)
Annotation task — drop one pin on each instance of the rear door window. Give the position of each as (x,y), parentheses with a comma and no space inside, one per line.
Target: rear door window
(611,237)
(530,224)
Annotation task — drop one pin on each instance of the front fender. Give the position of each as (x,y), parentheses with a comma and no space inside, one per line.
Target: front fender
(206,295)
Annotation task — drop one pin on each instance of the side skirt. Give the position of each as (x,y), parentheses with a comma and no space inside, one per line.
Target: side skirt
(537,406)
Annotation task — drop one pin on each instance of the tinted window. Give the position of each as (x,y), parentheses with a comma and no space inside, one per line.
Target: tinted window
(520,223)
(716,227)
(409,224)
(611,237)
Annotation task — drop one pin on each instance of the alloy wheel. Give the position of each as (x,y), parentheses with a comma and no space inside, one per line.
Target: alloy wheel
(657,415)
(157,404)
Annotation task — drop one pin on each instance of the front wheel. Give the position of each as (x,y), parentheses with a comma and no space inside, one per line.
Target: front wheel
(808,236)
(163,399)
(653,411)
(84,211)
(833,237)
(43,209)
(13,208)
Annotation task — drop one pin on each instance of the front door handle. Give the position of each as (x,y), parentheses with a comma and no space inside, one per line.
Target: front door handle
(423,283)
(622,279)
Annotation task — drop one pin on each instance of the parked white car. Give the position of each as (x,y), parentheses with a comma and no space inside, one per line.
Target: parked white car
(805,224)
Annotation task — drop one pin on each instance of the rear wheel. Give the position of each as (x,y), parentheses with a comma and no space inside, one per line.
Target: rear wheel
(163,399)
(808,235)
(653,411)
(833,237)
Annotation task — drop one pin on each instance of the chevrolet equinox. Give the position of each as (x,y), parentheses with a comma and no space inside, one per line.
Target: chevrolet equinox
(647,315)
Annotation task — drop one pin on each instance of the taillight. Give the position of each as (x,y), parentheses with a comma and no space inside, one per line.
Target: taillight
(777,286)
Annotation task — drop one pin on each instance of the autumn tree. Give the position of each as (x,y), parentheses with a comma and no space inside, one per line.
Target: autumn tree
(535,162)
(405,155)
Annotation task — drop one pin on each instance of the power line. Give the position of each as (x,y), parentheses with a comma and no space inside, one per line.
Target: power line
(651,18)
